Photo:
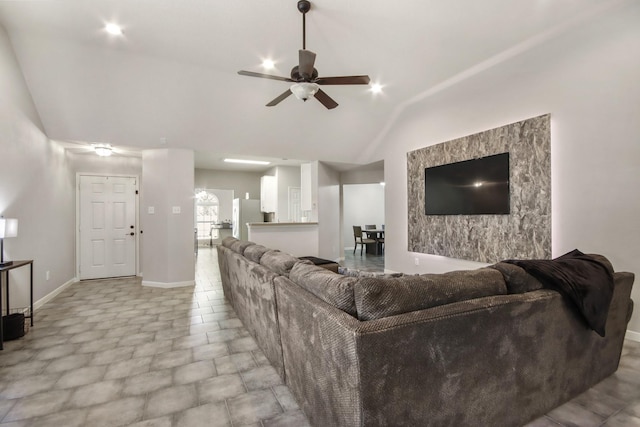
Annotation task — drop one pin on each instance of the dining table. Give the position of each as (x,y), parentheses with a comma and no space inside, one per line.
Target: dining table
(375,234)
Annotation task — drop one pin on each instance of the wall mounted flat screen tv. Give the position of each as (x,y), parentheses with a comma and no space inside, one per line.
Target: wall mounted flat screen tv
(472,187)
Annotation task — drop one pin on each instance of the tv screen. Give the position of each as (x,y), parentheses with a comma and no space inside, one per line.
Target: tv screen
(473,187)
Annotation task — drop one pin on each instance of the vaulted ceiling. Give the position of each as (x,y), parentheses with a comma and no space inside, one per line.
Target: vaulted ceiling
(171,80)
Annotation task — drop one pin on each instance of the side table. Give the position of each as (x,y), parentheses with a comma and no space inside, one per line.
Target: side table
(4,272)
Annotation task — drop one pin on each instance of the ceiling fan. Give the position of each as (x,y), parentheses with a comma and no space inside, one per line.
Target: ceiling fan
(304,77)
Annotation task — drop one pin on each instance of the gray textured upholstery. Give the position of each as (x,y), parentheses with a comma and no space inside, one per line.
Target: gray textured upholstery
(376,298)
(239,246)
(332,288)
(225,276)
(469,363)
(517,279)
(251,287)
(279,262)
(228,241)
(254,252)
(495,360)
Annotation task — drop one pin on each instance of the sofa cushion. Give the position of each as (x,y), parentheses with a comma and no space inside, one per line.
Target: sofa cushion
(330,287)
(254,252)
(228,241)
(376,298)
(517,279)
(239,246)
(279,262)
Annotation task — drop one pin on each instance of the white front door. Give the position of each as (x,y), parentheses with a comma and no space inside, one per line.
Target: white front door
(107,226)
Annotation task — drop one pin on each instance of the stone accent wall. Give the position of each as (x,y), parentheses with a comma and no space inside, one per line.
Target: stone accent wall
(525,233)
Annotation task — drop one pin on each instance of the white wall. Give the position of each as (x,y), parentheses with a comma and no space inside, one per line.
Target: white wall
(286,176)
(168,238)
(587,79)
(240,182)
(361,204)
(37,187)
(328,208)
(113,165)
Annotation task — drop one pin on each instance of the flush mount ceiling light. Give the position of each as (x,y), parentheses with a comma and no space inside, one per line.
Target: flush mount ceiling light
(113,29)
(248,162)
(103,150)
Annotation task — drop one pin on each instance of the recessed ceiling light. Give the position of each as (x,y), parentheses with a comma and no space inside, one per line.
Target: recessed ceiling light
(268,64)
(376,88)
(249,162)
(113,29)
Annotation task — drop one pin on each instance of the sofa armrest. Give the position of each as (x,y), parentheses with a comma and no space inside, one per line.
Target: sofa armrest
(319,351)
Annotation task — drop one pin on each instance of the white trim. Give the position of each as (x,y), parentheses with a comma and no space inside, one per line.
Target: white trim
(168,284)
(51,295)
(632,335)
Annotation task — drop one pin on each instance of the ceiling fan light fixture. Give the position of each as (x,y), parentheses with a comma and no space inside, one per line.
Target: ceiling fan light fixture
(103,150)
(304,90)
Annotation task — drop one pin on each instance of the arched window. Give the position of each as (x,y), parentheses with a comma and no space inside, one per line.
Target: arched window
(207,210)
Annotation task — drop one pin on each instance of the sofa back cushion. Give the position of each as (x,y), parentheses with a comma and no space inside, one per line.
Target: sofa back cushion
(376,298)
(279,262)
(332,288)
(239,246)
(517,279)
(254,252)
(228,241)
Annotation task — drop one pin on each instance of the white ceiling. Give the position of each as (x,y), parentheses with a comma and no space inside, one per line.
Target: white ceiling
(171,80)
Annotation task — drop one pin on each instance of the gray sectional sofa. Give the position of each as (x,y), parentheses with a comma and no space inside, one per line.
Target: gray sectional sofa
(486,347)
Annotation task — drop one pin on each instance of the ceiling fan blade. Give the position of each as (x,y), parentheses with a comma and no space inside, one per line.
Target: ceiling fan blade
(306,61)
(343,80)
(276,101)
(264,76)
(325,99)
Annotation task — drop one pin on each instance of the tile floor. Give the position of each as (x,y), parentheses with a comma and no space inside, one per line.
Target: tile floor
(114,353)
(365,262)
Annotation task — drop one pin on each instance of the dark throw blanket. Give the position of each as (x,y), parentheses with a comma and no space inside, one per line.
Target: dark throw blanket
(587,282)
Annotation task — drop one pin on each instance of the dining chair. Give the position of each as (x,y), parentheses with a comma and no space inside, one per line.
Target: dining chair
(359,240)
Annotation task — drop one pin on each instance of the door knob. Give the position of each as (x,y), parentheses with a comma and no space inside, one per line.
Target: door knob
(132,234)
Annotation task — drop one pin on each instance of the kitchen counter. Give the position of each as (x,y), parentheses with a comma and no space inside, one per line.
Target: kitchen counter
(295,238)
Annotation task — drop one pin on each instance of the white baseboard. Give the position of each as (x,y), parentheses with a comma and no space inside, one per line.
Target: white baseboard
(632,335)
(168,284)
(51,295)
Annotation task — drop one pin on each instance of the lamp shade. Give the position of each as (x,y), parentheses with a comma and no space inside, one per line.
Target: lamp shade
(8,227)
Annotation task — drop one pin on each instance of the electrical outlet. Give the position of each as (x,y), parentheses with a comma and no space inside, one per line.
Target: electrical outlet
(416,261)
